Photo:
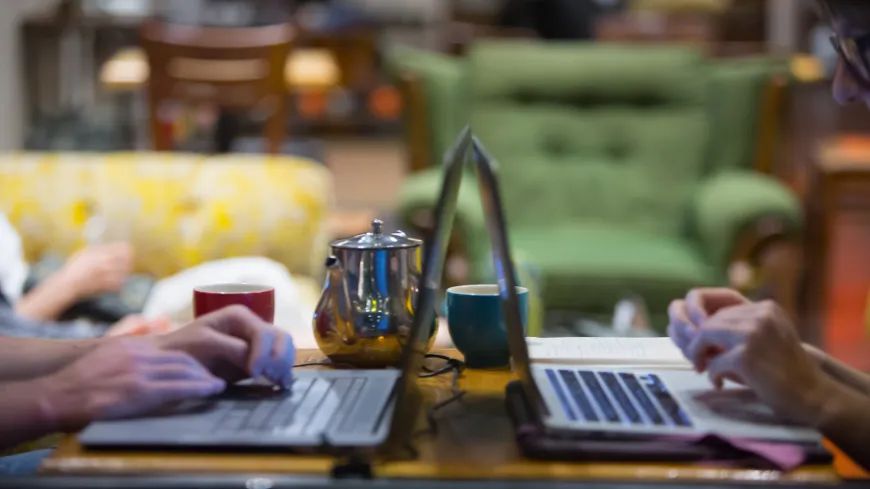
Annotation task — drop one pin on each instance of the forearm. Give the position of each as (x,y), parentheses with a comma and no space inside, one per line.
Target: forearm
(22,356)
(841,372)
(25,414)
(844,422)
(48,300)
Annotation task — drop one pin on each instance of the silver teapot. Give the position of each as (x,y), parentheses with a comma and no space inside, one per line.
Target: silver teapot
(368,303)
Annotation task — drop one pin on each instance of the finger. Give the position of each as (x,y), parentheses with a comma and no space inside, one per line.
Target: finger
(181,372)
(159,325)
(726,367)
(174,357)
(702,303)
(240,322)
(231,350)
(680,329)
(678,337)
(283,355)
(710,342)
(166,391)
(260,354)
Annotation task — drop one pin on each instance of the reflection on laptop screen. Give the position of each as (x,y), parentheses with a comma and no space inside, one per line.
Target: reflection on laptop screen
(435,251)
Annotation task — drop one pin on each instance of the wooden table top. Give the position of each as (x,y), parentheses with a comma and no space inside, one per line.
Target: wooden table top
(474,441)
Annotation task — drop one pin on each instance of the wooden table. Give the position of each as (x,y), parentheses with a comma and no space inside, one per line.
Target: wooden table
(474,442)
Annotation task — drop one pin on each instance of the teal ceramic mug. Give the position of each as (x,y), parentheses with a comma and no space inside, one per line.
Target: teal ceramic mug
(476,323)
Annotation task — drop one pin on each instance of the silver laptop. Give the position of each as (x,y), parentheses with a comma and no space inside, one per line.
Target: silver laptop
(575,400)
(323,408)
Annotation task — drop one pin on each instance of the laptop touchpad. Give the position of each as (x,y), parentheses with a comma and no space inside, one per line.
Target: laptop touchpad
(735,404)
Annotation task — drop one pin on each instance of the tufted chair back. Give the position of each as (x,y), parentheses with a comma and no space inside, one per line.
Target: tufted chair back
(592,134)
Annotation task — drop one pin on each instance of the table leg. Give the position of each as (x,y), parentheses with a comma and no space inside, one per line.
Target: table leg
(226,131)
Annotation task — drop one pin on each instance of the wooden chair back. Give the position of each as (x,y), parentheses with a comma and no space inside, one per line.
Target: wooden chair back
(415,122)
(642,27)
(230,67)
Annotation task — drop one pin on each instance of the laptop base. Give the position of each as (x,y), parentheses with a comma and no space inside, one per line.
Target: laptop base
(536,442)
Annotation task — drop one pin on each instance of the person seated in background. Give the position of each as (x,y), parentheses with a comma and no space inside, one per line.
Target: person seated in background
(554,20)
(89,272)
(93,270)
(755,343)
(51,386)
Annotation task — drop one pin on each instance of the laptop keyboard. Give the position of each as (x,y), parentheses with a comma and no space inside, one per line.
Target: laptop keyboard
(308,405)
(621,398)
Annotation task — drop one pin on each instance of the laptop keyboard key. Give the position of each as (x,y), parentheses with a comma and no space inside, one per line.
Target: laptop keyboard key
(313,401)
(363,414)
(580,398)
(232,421)
(642,398)
(343,390)
(670,406)
(618,393)
(560,394)
(594,386)
(260,414)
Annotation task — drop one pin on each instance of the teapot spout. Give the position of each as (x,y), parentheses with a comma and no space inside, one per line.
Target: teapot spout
(342,309)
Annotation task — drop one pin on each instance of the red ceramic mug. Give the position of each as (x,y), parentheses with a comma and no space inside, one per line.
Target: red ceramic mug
(258,298)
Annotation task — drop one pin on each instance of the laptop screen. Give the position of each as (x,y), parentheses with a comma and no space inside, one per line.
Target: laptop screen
(435,252)
(435,249)
(504,269)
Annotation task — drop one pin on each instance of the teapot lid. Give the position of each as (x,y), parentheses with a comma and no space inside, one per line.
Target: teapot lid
(376,239)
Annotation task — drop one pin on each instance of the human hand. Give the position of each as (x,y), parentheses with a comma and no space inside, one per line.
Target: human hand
(756,344)
(98,269)
(136,325)
(123,377)
(687,315)
(234,344)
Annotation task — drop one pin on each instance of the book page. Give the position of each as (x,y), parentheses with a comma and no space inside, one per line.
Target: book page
(607,351)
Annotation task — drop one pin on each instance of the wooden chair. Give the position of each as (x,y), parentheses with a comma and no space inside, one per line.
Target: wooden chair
(232,68)
(697,29)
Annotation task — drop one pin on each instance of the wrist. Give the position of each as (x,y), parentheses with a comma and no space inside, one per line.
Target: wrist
(826,403)
(65,287)
(51,405)
(815,354)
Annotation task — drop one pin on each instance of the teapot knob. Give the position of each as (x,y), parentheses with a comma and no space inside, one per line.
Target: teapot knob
(377,226)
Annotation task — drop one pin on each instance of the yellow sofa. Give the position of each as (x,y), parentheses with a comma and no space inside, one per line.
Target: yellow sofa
(178,210)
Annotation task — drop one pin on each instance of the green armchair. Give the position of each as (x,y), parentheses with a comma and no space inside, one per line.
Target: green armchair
(623,169)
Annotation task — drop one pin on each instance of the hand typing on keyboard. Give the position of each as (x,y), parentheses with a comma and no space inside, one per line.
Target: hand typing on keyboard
(754,343)
(123,377)
(235,344)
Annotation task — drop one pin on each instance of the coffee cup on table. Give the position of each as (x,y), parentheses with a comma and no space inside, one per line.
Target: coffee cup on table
(258,298)
(476,323)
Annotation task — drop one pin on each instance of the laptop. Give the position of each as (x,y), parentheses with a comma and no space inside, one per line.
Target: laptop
(612,403)
(322,408)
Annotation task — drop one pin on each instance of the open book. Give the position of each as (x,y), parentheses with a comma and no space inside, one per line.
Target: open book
(623,352)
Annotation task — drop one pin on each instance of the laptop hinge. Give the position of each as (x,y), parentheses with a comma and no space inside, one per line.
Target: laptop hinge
(353,466)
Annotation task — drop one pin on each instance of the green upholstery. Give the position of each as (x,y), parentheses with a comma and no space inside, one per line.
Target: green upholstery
(442,79)
(622,170)
(738,86)
(729,201)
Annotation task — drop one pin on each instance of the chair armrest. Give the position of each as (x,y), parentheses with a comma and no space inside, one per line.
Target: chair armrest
(418,196)
(746,111)
(441,80)
(730,204)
